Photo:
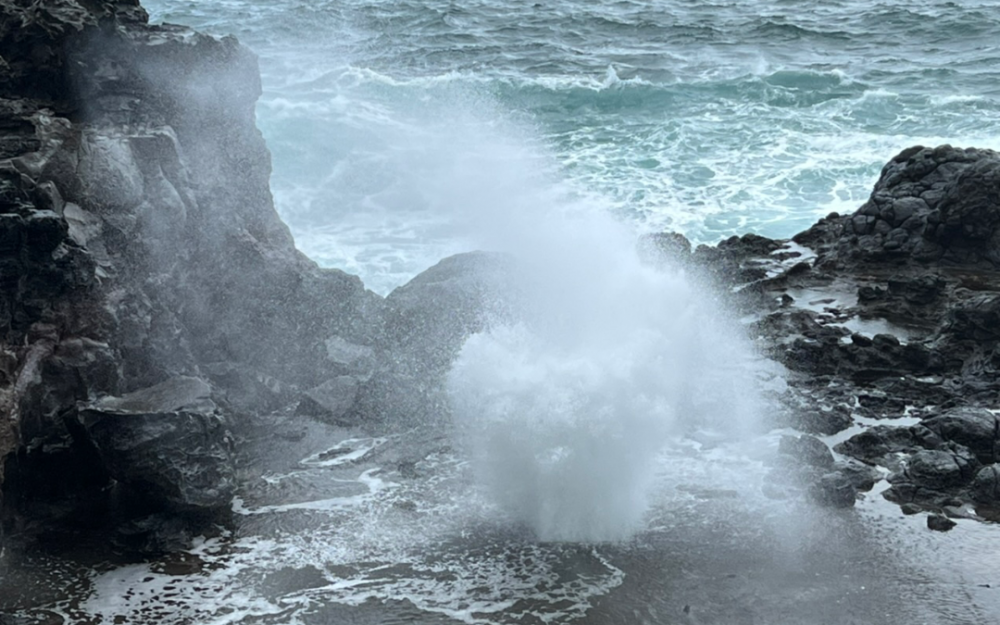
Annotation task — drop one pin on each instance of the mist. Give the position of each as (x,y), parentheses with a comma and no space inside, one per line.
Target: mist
(566,411)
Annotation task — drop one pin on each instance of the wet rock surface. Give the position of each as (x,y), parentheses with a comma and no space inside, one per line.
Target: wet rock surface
(139,243)
(888,314)
(139,246)
(166,443)
(152,303)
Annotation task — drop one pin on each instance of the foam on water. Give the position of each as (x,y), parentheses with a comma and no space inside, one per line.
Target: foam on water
(711,119)
(406,131)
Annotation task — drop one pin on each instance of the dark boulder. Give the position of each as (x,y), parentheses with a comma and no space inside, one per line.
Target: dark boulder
(930,477)
(986,485)
(166,443)
(834,490)
(877,443)
(940,523)
(860,475)
(975,428)
(939,469)
(806,450)
(930,204)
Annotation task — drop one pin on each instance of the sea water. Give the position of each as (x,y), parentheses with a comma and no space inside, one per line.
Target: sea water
(604,466)
(706,117)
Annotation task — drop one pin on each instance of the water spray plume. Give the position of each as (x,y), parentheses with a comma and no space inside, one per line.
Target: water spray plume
(566,411)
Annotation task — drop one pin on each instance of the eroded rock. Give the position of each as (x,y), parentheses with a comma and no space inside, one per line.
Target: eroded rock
(166,443)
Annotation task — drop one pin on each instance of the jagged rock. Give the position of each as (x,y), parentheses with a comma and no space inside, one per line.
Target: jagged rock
(153,534)
(356,359)
(929,204)
(873,445)
(662,248)
(167,443)
(734,261)
(975,428)
(834,490)
(425,324)
(928,477)
(332,399)
(986,485)
(829,420)
(807,450)
(138,238)
(429,317)
(939,469)
(940,523)
(860,475)
(975,319)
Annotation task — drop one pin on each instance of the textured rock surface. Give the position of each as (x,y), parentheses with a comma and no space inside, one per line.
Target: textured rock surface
(138,240)
(139,246)
(888,313)
(167,443)
(425,324)
(938,205)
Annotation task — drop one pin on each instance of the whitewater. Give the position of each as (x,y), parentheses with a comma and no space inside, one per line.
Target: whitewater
(606,458)
(708,118)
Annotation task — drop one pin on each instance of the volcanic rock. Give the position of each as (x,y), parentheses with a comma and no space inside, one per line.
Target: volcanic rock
(424,325)
(807,450)
(976,428)
(940,523)
(166,442)
(139,244)
(834,490)
(930,477)
(877,442)
(986,485)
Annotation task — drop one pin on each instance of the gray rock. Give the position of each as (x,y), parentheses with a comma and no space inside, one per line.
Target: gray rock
(834,490)
(807,450)
(938,470)
(332,399)
(425,324)
(664,248)
(986,485)
(166,443)
(940,523)
(862,476)
(909,509)
(975,428)
(876,443)
(139,243)
(355,358)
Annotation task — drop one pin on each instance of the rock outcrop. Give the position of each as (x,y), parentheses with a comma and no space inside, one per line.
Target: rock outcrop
(139,243)
(888,313)
(168,444)
(141,257)
(150,296)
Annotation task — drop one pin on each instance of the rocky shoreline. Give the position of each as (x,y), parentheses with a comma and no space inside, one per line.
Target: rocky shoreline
(156,315)
(883,317)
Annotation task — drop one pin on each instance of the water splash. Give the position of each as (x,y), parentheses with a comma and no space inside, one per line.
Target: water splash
(566,411)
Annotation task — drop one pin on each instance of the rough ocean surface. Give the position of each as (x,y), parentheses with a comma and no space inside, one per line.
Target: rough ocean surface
(202,425)
(709,118)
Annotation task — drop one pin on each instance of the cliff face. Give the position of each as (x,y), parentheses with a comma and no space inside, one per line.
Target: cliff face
(138,239)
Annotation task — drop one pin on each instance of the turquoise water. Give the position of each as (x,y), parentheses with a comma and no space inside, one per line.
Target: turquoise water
(396,125)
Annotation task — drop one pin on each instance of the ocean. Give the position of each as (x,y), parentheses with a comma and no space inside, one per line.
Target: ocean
(391,122)
(610,460)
